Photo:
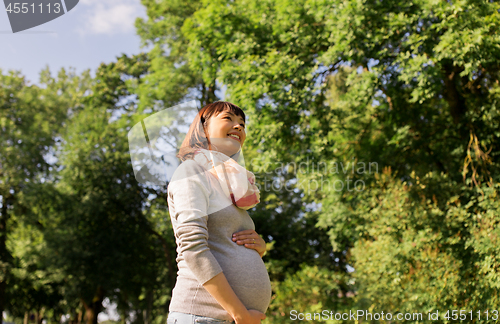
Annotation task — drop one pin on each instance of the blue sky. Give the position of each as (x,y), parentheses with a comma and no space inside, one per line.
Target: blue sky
(94,31)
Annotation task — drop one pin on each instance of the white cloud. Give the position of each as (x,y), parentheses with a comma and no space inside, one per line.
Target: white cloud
(110,16)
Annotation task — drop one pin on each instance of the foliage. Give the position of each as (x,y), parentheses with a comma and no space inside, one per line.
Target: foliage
(309,290)
(424,250)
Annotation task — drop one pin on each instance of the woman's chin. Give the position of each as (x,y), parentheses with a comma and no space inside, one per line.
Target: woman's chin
(231,152)
(227,146)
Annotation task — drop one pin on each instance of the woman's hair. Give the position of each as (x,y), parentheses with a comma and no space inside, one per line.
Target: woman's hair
(194,138)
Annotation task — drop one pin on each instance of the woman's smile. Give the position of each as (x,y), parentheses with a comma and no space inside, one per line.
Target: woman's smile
(234,136)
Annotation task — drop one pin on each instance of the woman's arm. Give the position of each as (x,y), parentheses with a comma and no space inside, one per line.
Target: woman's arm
(220,289)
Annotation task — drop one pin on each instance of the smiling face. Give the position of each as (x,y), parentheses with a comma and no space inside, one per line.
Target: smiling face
(226,132)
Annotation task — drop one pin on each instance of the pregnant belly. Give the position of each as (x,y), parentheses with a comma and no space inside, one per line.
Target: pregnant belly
(247,275)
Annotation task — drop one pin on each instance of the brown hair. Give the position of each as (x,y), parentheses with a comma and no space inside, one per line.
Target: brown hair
(194,138)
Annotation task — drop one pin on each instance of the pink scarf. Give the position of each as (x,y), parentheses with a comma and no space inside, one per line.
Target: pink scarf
(237,182)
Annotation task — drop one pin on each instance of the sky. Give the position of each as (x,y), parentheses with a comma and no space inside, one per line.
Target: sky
(94,31)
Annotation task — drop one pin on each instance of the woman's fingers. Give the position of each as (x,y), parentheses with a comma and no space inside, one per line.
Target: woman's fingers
(245,235)
(245,232)
(249,231)
(251,240)
(241,240)
(247,239)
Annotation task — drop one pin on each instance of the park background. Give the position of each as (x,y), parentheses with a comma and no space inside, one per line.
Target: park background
(409,86)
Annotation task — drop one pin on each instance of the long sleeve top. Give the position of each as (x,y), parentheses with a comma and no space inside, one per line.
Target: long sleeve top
(203,220)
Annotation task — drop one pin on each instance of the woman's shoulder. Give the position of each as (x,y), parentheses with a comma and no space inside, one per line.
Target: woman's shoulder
(189,170)
(188,167)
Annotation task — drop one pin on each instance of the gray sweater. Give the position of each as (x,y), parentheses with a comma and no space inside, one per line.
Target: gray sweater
(204,219)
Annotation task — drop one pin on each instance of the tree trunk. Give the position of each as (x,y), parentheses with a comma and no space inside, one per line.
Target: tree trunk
(73,318)
(93,308)
(455,100)
(80,315)
(39,316)
(172,269)
(149,307)
(4,259)
(208,93)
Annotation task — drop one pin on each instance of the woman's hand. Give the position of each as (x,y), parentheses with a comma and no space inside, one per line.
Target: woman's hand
(254,317)
(220,289)
(251,240)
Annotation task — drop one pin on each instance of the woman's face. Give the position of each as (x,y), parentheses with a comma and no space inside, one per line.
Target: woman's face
(226,132)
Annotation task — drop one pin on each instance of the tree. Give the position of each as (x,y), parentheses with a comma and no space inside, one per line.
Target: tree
(98,229)
(31,118)
(172,77)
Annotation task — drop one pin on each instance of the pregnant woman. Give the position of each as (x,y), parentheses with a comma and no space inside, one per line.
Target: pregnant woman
(221,277)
